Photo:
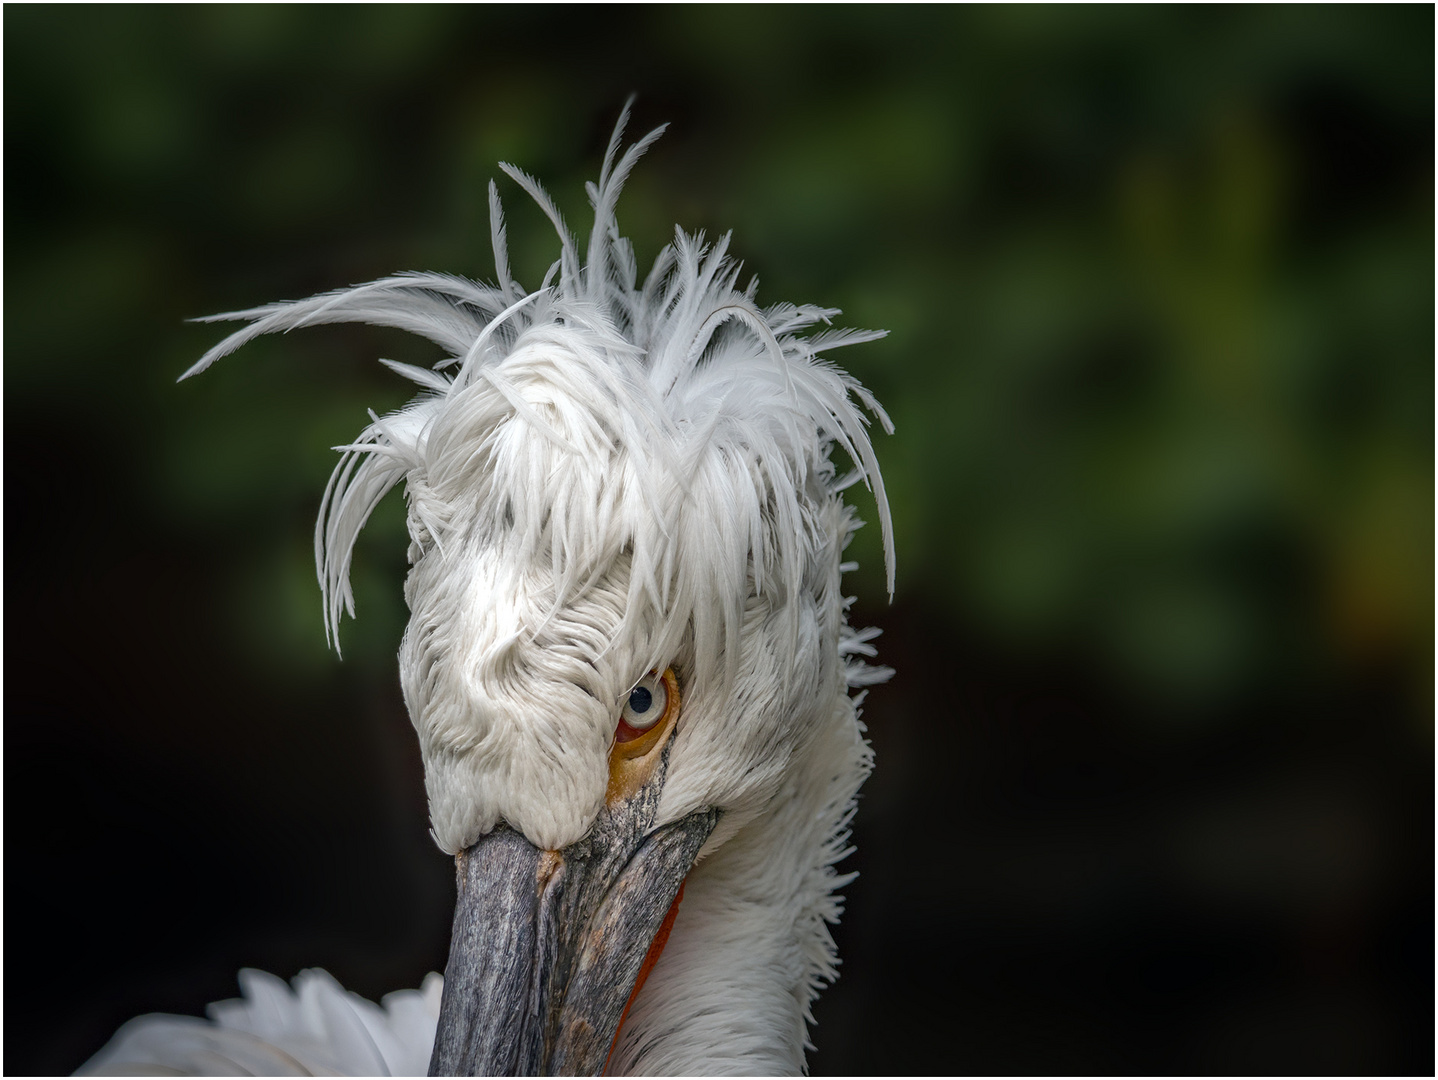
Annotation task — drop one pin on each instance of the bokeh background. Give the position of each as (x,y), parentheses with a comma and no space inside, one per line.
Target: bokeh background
(1155,777)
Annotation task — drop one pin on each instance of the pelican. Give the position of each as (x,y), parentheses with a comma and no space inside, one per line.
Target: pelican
(628,663)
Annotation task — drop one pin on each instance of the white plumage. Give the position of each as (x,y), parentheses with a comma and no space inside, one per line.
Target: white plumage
(607,478)
(316,1029)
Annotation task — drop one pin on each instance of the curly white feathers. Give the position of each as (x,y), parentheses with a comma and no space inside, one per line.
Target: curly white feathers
(605,478)
(710,400)
(600,476)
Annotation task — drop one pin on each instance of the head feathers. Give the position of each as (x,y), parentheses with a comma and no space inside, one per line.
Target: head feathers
(723,412)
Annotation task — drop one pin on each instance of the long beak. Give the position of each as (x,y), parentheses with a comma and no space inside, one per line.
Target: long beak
(548,946)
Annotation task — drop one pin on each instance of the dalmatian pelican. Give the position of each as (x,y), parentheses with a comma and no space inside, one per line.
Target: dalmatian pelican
(627,660)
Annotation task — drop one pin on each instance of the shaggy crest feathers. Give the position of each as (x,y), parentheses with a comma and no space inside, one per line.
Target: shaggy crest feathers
(606,477)
(710,400)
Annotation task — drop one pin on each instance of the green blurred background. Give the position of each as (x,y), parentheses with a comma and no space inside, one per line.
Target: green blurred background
(1155,778)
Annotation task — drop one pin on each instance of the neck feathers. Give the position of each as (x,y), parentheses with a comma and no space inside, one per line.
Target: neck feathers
(751,947)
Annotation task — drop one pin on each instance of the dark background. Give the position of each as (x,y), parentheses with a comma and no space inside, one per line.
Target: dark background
(1155,777)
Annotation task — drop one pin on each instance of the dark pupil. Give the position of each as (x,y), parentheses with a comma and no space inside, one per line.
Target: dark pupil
(640,699)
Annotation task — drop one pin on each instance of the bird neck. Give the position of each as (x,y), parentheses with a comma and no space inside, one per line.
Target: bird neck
(751,946)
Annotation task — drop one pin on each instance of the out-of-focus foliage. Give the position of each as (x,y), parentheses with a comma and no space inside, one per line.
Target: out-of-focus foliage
(1160,281)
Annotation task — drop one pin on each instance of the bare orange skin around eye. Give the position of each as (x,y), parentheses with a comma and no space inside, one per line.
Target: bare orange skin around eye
(650,959)
(624,733)
(635,754)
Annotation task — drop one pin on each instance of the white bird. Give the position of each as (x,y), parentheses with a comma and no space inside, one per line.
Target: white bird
(628,663)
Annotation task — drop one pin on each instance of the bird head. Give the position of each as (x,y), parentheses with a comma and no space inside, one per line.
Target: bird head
(625,619)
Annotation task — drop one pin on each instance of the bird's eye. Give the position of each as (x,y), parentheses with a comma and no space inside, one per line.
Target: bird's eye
(646,703)
(652,702)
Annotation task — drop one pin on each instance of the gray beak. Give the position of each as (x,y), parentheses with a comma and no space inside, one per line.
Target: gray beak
(547,946)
